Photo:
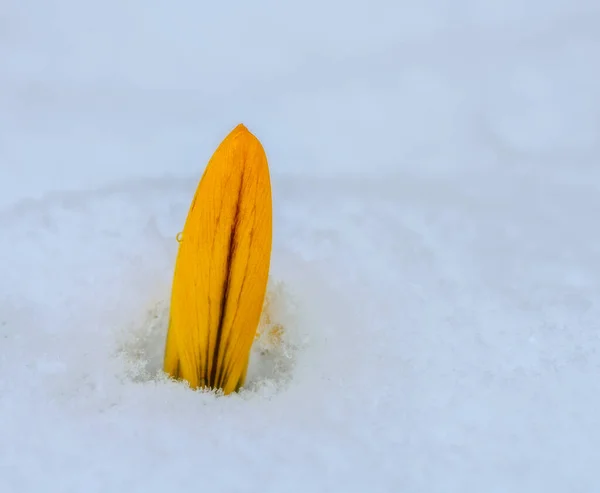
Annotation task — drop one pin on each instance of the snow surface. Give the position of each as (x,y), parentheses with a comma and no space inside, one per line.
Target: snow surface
(436,262)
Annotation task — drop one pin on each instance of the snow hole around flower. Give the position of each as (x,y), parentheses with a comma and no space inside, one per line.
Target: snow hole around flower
(273,354)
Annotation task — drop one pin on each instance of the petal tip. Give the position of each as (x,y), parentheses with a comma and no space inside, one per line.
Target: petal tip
(241,131)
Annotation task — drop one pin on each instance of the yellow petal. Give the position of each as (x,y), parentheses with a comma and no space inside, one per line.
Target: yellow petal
(222,268)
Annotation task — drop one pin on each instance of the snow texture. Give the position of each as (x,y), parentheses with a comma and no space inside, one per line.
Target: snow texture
(436,257)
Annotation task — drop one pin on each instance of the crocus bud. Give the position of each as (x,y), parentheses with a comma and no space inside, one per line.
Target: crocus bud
(222,268)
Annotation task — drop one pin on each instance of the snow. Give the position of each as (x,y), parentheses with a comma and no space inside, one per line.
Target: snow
(436,258)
